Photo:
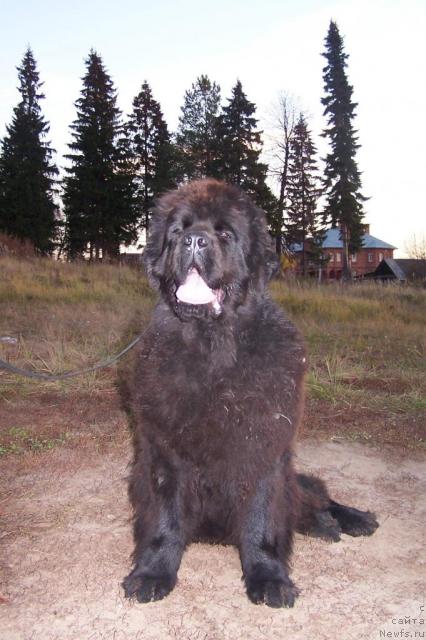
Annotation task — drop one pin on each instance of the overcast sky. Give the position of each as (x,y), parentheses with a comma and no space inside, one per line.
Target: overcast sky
(271,46)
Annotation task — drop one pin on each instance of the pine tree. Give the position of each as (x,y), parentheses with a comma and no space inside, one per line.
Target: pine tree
(196,137)
(27,173)
(303,220)
(342,180)
(151,149)
(240,149)
(98,195)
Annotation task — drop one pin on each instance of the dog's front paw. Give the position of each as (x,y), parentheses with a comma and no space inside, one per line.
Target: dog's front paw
(148,588)
(265,586)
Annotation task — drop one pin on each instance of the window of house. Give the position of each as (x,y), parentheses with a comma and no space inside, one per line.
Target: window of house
(370,257)
(353,257)
(331,257)
(354,272)
(338,257)
(380,257)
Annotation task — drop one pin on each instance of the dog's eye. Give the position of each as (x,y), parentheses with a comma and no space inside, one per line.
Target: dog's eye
(224,234)
(175,230)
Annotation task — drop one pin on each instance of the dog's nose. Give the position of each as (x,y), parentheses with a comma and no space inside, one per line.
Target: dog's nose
(195,241)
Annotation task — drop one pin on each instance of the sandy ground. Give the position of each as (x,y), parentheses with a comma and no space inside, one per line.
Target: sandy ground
(66,541)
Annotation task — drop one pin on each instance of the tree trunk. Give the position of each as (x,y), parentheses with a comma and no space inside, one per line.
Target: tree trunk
(346,270)
(283,186)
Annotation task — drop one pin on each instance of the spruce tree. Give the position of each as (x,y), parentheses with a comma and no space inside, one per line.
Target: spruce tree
(303,219)
(196,136)
(27,173)
(152,151)
(342,180)
(98,195)
(240,149)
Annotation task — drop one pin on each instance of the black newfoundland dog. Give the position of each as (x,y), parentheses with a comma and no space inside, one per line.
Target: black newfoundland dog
(216,399)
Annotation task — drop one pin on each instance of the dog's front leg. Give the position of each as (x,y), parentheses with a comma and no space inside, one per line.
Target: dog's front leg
(266,543)
(160,538)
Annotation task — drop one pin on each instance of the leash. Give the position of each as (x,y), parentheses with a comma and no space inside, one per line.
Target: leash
(68,374)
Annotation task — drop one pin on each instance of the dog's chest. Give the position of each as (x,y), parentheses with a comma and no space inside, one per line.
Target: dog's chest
(206,415)
(186,403)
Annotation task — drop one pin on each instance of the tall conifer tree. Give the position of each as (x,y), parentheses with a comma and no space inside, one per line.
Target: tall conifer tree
(152,151)
(240,148)
(98,195)
(342,180)
(303,219)
(27,172)
(196,137)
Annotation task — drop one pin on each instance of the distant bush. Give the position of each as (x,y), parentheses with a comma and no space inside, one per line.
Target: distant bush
(10,246)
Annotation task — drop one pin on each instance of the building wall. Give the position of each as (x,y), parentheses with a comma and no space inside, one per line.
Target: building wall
(365,261)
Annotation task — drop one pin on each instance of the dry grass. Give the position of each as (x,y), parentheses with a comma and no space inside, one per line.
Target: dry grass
(367,378)
(67,316)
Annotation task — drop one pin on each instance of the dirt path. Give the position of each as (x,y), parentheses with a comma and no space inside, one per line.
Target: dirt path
(66,542)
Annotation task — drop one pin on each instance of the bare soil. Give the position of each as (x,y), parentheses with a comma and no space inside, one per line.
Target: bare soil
(402,430)
(66,542)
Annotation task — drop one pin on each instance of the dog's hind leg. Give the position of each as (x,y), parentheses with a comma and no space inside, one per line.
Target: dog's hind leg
(321,517)
(353,521)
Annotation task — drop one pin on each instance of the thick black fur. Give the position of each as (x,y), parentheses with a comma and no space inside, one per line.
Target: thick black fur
(216,398)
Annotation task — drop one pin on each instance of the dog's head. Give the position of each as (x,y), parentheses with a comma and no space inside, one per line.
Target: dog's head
(208,249)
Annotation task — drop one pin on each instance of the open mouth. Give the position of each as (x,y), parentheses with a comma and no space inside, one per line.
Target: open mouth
(196,291)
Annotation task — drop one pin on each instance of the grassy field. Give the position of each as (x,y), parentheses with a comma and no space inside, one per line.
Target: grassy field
(367,377)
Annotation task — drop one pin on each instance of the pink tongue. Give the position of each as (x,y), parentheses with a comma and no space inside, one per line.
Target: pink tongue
(194,290)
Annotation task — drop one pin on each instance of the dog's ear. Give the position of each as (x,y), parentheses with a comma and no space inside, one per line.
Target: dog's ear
(262,260)
(155,252)
(272,262)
